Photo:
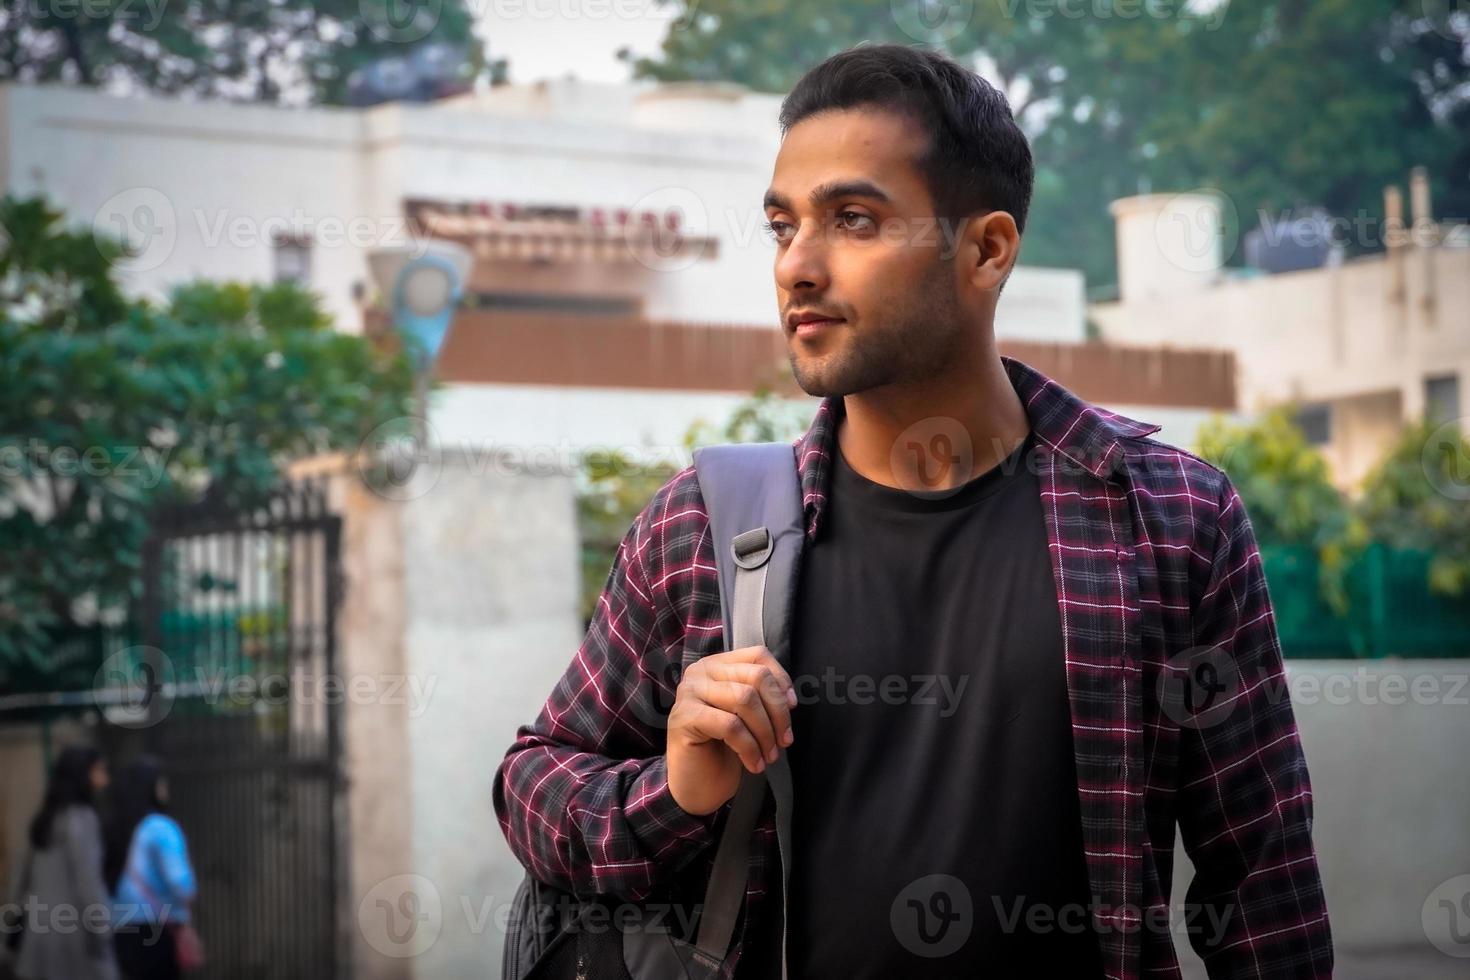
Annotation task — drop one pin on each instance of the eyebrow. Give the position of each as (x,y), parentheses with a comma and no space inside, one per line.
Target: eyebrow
(829,192)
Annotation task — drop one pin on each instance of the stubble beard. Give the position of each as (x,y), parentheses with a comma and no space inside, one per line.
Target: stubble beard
(916,339)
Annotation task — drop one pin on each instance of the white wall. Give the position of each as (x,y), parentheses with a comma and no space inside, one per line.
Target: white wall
(490,565)
(203,185)
(546,422)
(1042,304)
(716,180)
(550,419)
(1319,334)
(194,183)
(1179,426)
(1391,806)
(462,583)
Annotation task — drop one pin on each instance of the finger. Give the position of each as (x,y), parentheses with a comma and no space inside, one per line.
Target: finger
(764,680)
(724,726)
(754,655)
(746,702)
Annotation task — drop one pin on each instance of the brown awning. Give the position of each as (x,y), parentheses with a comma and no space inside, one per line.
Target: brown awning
(567,235)
(488,347)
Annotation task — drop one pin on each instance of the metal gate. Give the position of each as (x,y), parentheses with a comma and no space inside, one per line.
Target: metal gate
(237,623)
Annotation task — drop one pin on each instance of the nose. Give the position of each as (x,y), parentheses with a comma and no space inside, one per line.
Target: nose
(803,266)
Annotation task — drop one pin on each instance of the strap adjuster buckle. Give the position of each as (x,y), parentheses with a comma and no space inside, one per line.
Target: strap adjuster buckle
(752,548)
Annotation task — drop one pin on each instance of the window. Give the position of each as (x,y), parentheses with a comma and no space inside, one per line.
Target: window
(1315,422)
(292,260)
(1441,398)
(554,303)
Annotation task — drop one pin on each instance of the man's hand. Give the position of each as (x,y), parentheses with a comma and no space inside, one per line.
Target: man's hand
(731,710)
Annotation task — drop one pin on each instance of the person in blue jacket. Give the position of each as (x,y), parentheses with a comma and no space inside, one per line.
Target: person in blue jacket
(150,873)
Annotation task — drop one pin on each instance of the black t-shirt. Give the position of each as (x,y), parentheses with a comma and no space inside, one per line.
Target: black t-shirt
(936,826)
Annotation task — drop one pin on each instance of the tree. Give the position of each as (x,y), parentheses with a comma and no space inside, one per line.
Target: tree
(264,51)
(614,487)
(1279,104)
(1418,498)
(109,408)
(1288,491)
(767,46)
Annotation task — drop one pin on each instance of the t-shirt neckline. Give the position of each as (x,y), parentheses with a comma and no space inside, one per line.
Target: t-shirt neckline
(849,484)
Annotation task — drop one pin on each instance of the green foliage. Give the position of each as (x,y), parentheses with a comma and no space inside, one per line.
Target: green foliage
(614,487)
(1288,491)
(283,51)
(1284,481)
(1418,497)
(763,417)
(109,408)
(56,279)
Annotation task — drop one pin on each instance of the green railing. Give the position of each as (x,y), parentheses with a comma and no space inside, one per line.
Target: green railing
(1390,612)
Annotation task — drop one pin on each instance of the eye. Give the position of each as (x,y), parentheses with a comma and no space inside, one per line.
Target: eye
(854,220)
(780,231)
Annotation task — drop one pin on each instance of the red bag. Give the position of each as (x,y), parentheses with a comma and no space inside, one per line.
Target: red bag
(188,947)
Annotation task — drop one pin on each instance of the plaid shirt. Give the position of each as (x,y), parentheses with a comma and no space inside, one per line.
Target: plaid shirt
(1161,594)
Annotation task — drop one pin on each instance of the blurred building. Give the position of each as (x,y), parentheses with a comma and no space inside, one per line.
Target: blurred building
(622,279)
(1360,347)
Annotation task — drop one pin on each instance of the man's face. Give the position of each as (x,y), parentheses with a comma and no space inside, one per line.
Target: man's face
(857,242)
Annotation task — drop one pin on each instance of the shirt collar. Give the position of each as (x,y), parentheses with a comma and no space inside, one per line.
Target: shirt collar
(1083,433)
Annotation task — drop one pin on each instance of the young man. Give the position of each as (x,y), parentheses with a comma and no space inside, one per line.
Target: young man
(1009,606)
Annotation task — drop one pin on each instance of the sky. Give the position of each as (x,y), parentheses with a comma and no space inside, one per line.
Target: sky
(551,38)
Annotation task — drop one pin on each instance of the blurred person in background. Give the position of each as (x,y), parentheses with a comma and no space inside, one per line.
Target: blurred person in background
(152,878)
(67,925)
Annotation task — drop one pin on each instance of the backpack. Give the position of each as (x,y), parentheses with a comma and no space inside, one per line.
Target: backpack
(753,496)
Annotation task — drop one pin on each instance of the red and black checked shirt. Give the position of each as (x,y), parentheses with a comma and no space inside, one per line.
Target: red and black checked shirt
(1159,585)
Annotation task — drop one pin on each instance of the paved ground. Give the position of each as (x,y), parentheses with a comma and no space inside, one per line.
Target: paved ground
(1409,963)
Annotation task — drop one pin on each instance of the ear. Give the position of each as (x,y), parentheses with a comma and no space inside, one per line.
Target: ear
(988,247)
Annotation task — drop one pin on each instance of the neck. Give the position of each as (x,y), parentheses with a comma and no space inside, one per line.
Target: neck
(938,433)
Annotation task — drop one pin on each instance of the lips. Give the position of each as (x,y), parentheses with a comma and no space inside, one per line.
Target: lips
(807,324)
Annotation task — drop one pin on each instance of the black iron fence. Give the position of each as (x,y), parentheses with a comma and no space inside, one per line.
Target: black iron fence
(231,683)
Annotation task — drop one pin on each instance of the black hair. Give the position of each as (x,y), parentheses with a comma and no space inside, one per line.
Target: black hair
(70,784)
(134,796)
(978,158)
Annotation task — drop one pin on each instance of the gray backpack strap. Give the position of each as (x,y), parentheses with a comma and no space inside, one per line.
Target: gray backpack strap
(752,494)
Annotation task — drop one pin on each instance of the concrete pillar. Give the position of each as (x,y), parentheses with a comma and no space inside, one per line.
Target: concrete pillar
(460,614)
(1168,244)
